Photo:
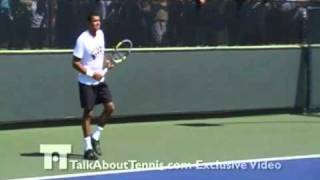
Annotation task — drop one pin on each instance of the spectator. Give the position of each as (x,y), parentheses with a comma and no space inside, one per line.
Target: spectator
(146,21)
(258,11)
(177,24)
(159,25)
(232,22)
(191,20)
(115,22)
(21,12)
(39,23)
(66,24)
(52,17)
(278,22)
(6,20)
(101,8)
(139,12)
(213,23)
(204,16)
(289,25)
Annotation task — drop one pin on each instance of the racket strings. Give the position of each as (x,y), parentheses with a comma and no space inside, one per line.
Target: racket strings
(121,51)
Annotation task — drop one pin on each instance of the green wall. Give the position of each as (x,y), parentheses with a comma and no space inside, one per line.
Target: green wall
(44,86)
(315,76)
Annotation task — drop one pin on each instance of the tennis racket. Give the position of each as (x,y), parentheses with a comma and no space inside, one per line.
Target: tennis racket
(120,53)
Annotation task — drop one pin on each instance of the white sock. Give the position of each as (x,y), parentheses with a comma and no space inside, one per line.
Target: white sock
(87,143)
(96,134)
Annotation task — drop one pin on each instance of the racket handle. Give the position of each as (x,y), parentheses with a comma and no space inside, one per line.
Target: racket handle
(105,71)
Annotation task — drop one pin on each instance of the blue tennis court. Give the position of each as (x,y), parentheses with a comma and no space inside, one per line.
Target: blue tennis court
(285,168)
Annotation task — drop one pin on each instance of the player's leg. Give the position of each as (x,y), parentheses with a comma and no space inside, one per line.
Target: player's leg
(87,98)
(104,96)
(86,127)
(86,124)
(108,109)
(105,115)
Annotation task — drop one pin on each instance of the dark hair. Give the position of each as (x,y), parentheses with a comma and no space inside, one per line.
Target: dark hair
(91,14)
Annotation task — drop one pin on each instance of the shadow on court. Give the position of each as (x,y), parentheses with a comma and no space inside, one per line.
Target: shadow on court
(310,115)
(47,123)
(245,123)
(37,154)
(199,124)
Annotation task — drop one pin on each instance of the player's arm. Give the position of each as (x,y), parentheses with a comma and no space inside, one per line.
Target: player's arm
(76,64)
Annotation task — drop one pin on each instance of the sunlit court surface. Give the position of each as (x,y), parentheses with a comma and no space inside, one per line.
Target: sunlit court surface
(257,147)
(160,89)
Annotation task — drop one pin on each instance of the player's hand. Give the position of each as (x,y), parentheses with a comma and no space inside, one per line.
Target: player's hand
(108,64)
(97,76)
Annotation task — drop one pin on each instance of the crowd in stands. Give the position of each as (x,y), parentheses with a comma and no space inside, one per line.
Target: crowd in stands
(39,24)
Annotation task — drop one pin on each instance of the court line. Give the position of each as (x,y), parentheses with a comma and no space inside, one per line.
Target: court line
(283,158)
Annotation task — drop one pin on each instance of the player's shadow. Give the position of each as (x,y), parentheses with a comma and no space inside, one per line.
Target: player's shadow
(309,115)
(199,124)
(246,123)
(37,154)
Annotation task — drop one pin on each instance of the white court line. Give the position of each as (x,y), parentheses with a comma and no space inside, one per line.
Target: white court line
(283,158)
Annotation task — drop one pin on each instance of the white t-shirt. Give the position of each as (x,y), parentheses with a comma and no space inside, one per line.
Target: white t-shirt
(91,52)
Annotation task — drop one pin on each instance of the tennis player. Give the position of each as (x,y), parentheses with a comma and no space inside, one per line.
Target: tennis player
(88,60)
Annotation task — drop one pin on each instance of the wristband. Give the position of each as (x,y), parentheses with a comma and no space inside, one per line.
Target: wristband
(89,73)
